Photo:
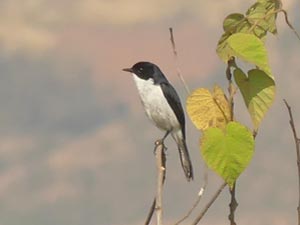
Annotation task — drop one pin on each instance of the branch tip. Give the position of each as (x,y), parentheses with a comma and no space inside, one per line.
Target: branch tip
(297,145)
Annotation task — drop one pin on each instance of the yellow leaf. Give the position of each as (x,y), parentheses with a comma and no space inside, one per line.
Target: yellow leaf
(208,109)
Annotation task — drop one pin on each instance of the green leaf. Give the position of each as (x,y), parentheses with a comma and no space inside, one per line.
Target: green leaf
(231,26)
(232,21)
(258,91)
(208,109)
(255,16)
(259,19)
(228,152)
(263,15)
(251,49)
(223,50)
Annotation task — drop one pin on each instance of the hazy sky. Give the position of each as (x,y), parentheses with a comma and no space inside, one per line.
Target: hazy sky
(75,145)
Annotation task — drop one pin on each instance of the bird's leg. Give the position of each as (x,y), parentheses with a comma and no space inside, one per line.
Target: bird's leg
(161,141)
(164,137)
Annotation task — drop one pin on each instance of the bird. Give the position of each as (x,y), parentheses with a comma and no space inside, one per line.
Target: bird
(163,107)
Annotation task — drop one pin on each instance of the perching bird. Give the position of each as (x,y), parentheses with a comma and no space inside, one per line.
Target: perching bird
(163,107)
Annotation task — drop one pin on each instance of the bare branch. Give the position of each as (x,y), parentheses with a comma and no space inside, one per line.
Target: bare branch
(158,144)
(176,61)
(297,144)
(215,196)
(160,166)
(202,189)
(200,194)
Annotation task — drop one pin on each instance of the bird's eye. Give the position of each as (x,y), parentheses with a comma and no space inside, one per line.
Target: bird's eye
(141,69)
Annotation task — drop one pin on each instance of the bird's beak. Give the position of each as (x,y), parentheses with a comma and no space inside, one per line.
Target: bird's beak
(130,70)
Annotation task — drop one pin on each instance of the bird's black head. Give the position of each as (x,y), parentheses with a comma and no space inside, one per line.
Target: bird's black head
(147,70)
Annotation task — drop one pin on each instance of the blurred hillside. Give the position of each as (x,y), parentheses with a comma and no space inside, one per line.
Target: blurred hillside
(75,145)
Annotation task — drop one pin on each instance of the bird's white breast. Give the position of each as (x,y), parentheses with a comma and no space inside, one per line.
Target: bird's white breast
(155,104)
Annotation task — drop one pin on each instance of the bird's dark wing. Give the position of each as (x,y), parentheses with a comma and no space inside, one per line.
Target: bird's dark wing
(174,101)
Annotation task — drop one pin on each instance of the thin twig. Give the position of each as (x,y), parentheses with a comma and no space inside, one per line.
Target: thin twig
(231,90)
(200,194)
(215,196)
(160,166)
(176,61)
(288,22)
(202,189)
(297,144)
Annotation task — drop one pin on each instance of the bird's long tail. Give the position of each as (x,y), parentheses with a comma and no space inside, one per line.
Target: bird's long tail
(184,155)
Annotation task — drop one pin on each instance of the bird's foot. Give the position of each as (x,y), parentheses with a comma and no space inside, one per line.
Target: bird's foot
(157,143)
